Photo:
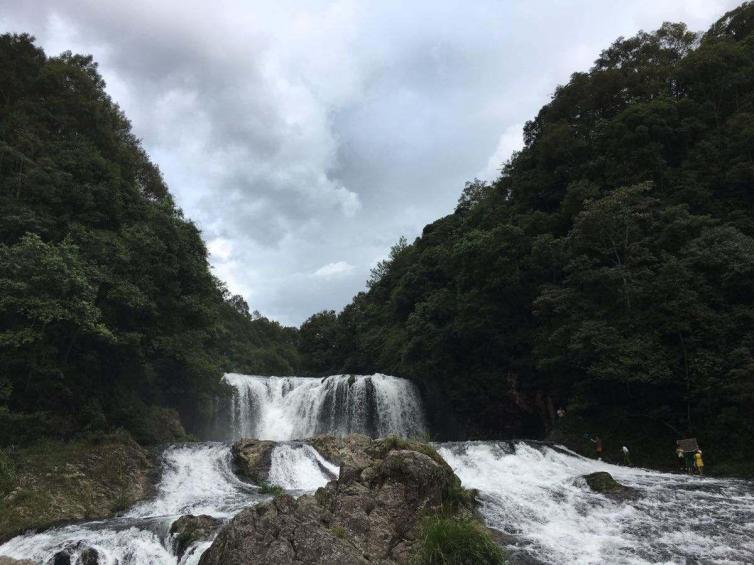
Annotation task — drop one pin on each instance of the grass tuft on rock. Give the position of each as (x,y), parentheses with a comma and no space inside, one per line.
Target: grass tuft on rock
(452,541)
(392,442)
(457,498)
(270,488)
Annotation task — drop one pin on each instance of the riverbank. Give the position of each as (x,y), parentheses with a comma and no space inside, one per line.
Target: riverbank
(651,444)
(55,482)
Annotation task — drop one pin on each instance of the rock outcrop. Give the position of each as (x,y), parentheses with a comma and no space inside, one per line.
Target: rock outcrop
(78,480)
(370,514)
(189,529)
(604,483)
(253,458)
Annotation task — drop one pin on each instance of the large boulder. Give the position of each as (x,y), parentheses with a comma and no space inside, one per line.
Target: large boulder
(604,483)
(370,514)
(253,458)
(189,529)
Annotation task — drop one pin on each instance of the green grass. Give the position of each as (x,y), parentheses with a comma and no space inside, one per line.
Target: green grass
(456,497)
(450,541)
(394,442)
(270,488)
(338,531)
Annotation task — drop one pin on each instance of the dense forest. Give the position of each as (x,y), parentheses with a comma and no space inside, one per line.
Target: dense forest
(609,270)
(109,314)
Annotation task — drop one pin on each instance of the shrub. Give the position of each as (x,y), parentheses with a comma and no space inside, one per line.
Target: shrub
(269,488)
(450,541)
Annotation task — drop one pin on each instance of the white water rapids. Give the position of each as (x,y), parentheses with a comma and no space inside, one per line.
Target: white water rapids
(530,491)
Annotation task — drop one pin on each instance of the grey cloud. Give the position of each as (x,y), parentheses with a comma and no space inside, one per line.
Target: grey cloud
(305,138)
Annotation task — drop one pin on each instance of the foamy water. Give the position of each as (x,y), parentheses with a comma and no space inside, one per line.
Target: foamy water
(534,492)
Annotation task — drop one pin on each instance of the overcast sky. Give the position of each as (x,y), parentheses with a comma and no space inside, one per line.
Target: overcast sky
(304,138)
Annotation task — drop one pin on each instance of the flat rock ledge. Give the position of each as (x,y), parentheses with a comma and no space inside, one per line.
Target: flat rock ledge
(370,514)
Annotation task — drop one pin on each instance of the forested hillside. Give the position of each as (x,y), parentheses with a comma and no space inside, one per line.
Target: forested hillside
(608,270)
(109,314)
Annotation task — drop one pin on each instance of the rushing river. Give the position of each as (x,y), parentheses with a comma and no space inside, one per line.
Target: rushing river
(530,491)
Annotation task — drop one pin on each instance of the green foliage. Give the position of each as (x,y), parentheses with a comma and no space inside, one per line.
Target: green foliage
(339,532)
(608,270)
(450,541)
(108,310)
(457,498)
(7,474)
(393,442)
(270,488)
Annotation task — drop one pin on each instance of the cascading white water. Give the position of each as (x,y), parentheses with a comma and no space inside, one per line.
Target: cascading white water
(196,479)
(534,493)
(530,491)
(283,408)
(300,467)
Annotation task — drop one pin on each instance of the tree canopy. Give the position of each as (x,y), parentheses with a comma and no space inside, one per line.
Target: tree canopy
(608,269)
(109,313)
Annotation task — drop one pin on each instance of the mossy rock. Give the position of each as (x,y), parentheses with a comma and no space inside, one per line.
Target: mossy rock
(189,529)
(604,483)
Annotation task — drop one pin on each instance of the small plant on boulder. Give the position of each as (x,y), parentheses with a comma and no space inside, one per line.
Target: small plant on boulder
(270,488)
(453,541)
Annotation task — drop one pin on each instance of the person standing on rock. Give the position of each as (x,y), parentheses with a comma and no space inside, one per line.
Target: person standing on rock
(597,441)
(626,456)
(699,462)
(681,458)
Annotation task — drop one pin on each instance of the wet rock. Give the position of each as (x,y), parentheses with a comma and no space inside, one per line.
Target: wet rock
(253,458)
(61,558)
(189,529)
(370,514)
(604,483)
(89,556)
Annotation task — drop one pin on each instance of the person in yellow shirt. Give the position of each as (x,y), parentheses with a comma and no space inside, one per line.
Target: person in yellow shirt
(699,462)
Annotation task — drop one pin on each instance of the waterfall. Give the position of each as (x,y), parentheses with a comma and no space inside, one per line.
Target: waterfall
(284,408)
(531,491)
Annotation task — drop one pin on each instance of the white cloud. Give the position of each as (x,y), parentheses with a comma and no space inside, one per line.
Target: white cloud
(306,138)
(511,140)
(331,270)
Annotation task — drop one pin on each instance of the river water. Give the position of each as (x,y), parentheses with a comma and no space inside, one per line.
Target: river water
(530,491)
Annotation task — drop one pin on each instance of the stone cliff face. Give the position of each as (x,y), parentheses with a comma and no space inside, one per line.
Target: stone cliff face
(370,514)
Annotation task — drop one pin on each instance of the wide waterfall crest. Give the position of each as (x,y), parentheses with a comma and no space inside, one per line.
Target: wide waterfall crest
(284,408)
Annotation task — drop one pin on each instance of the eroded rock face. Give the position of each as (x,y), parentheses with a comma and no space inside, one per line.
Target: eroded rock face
(370,514)
(189,529)
(253,458)
(349,451)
